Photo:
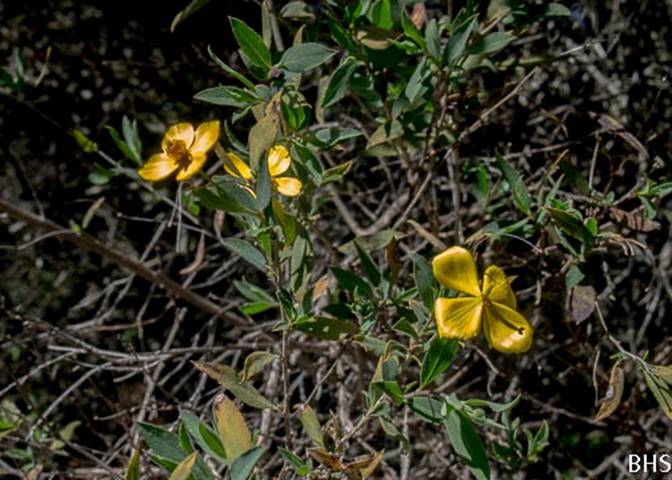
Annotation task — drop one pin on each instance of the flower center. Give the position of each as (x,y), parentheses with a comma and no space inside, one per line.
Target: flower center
(179,153)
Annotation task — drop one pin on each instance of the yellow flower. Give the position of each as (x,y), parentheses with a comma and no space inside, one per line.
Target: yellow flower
(279,162)
(492,306)
(184,152)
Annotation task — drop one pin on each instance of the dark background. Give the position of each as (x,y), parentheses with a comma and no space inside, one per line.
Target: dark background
(111,59)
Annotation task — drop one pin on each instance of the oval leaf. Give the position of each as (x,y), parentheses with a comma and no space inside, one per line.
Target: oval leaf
(304,57)
(233,431)
(183,469)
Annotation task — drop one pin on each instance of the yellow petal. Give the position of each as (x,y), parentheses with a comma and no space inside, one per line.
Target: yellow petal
(497,287)
(278,160)
(179,132)
(288,186)
(195,165)
(458,317)
(454,268)
(158,167)
(505,329)
(205,137)
(236,167)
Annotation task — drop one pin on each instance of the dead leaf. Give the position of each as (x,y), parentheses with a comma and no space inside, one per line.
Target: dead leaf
(198,260)
(614,126)
(557,120)
(92,211)
(633,220)
(582,303)
(392,260)
(233,432)
(218,222)
(320,287)
(183,470)
(326,458)
(427,235)
(612,398)
(375,40)
(368,464)
(419,15)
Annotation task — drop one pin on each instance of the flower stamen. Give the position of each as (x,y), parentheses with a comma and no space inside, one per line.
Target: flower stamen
(179,153)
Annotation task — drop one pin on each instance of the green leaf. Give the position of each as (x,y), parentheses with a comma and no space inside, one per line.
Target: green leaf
(492,43)
(438,358)
(415,87)
(573,277)
(84,142)
(121,145)
(266,24)
(129,129)
(311,425)
(221,64)
(326,138)
(380,14)
(458,42)
(261,138)
(571,224)
(368,266)
(371,243)
(204,436)
(392,388)
(166,445)
(297,10)
(133,469)
(432,40)
(337,88)
(227,96)
(467,444)
(226,194)
(385,133)
(251,44)
(243,465)
(255,363)
(263,186)
(660,389)
(162,442)
(556,10)
(494,406)
(411,31)
(287,222)
(352,282)
(193,7)
(235,191)
(327,328)
(304,57)
(246,251)
(335,174)
(252,292)
(424,280)
(521,197)
(301,469)
(228,378)
(183,437)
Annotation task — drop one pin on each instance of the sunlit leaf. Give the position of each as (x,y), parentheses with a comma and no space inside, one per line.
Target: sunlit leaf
(233,432)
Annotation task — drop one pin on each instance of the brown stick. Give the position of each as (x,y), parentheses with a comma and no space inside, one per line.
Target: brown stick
(89,243)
